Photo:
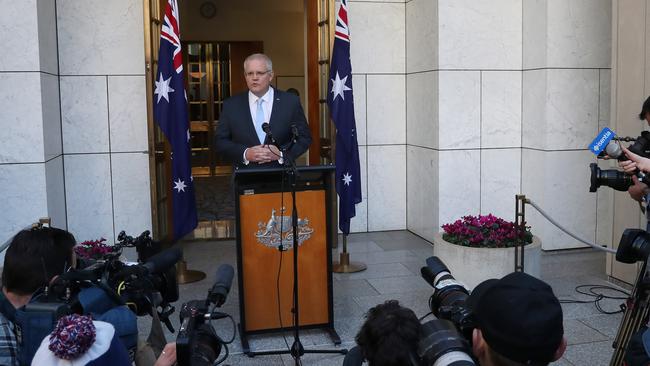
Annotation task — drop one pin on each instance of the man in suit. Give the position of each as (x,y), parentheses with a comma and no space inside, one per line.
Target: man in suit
(240,136)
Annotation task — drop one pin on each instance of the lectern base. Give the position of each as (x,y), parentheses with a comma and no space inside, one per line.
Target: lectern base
(345,266)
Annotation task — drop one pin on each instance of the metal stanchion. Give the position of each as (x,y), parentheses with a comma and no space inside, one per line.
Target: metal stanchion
(344,265)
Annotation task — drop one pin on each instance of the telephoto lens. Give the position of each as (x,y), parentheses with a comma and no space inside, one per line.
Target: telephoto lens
(634,246)
(442,345)
(447,291)
(612,178)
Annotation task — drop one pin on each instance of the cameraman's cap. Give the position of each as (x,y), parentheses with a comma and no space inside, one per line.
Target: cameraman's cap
(519,316)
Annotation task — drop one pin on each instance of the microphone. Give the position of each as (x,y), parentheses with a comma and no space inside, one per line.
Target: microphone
(269,136)
(219,291)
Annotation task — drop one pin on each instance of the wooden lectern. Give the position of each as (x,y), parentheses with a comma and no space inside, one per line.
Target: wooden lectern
(264,207)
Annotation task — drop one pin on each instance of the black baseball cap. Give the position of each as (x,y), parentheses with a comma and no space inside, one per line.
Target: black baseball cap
(519,316)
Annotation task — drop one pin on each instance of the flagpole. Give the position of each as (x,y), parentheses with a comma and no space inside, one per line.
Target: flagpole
(344,265)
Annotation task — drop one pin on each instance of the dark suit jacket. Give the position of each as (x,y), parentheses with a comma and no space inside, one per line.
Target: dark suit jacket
(236,132)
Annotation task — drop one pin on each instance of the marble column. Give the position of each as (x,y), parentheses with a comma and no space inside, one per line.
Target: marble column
(31,164)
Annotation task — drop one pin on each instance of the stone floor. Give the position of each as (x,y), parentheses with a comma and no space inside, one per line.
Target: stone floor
(394,259)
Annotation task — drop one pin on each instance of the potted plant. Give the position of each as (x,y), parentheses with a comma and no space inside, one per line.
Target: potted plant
(93,249)
(476,248)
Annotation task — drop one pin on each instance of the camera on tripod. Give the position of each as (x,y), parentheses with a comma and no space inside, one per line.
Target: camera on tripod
(197,343)
(614,178)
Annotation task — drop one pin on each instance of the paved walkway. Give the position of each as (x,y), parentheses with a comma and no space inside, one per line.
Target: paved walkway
(394,259)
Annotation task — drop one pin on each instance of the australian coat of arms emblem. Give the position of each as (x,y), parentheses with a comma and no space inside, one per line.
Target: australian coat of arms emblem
(278,231)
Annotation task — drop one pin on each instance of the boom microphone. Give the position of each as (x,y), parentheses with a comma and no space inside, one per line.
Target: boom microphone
(222,284)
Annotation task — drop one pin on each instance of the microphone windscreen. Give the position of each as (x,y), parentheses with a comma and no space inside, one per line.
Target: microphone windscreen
(613,150)
(266,128)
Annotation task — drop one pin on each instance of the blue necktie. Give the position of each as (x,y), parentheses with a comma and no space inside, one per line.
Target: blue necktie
(259,120)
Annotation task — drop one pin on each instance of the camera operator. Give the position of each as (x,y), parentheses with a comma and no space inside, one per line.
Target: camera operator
(33,258)
(639,191)
(518,322)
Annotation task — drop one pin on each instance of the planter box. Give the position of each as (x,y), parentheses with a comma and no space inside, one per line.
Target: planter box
(475,265)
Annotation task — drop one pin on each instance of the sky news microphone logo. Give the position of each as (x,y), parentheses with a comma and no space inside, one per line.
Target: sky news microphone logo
(601,141)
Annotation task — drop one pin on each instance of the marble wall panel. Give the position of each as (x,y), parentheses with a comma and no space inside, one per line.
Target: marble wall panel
(360,89)
(422,109)
(386,188)
(131,192)
(460,184)
(605,210)
(534,109)
(579,33)
(558,181)
(377,35)
(100,37)
(501,109)
(386,109)
(23,195)
(422,199)
(359,222)
(88,196)
(535,19)
(47,43)
(480,34)
(500,181)
(55,188)
(421,35)
(127,111)
(52,143)
(459,101)
(572,108)
(22,118)
(84,110)
(20,50)
(604,100)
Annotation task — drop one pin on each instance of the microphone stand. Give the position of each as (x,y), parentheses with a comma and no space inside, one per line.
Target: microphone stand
(297,350)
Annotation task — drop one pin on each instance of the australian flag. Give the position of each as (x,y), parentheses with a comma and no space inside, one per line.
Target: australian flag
(170,112)
(348,173)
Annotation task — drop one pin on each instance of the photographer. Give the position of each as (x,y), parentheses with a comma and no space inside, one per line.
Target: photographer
(636,161)
(518,322)
(389,337)
(32,260)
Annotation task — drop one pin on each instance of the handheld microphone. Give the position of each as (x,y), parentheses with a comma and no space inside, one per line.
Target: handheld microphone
(222,284)
(269,136)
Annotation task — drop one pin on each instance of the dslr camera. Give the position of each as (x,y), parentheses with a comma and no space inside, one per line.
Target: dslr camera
(446,339)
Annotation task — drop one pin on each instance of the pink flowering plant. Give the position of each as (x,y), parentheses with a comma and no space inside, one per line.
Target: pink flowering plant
(93,249)
(486,232)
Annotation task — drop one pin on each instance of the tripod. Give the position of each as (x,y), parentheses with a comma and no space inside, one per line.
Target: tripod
(297,350)
(637,308)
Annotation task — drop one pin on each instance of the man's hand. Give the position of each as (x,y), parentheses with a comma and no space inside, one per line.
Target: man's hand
(635,162)
(638,189)
(262,154)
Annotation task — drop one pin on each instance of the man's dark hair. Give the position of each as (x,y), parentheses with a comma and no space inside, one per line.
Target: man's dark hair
(34,257)
(645,109)
(389,336)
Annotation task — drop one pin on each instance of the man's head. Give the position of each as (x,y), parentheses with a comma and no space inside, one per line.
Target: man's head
(258,70)
(519,322)
(34,257)
(389,336)
(645,111)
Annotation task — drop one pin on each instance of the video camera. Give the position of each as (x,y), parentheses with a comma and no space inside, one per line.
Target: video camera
(446,340)
(103,287)
(197,343)
(614,178)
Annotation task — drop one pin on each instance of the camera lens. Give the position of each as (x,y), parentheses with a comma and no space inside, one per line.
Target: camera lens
(441,344)
(634,246)
(612,178)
